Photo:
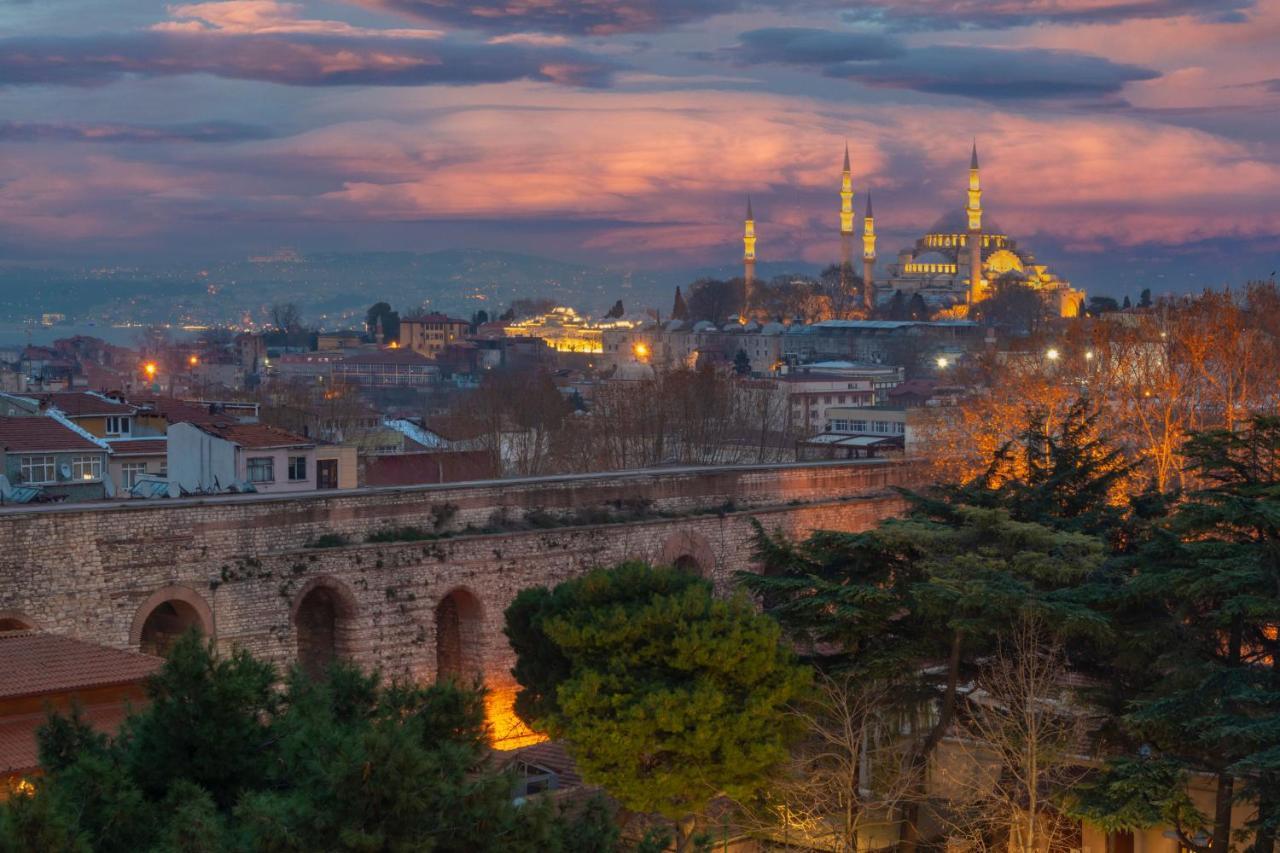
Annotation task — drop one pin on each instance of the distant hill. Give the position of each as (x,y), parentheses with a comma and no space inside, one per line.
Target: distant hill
(335,289)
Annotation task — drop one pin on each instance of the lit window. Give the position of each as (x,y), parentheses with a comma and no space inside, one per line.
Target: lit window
(297,468)
(39,469)
(86,468)
(117,425)
(262,469)
(131,472)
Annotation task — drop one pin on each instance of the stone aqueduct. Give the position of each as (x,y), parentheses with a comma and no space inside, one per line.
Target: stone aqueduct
(252,571)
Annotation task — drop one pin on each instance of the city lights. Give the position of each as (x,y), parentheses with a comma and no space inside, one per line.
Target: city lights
(1053,354)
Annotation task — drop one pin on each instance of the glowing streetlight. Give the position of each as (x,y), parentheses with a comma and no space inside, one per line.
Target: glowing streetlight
(1088,355)
(1052,354)
(193,360)
(150,369)
(641,350)
(941,362)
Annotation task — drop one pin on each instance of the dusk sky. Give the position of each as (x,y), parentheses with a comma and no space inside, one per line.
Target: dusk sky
(630,131)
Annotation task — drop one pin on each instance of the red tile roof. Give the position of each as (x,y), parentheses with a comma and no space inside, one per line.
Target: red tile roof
(388,356)
(19,749)
(36,433)
(258,436)
(182,411)
(435,318)
(79,404)
(139,446)
(34,663)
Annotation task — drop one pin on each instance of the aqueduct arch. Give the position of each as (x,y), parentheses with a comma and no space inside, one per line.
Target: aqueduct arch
(460,637)
(689,551)
(13,620)
(166,615)
(324,617)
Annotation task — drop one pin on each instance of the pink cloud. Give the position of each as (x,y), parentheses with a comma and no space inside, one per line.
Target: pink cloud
(262,17)
(661,177)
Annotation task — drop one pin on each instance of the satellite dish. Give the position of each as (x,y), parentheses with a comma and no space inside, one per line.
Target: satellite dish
(65,471)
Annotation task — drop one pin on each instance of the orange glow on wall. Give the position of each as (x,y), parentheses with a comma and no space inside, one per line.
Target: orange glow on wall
(506,730)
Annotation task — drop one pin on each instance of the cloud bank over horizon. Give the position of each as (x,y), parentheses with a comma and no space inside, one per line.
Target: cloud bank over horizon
(630,132)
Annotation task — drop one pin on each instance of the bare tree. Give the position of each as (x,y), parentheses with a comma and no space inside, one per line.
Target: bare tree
(1017,747)
(847,774)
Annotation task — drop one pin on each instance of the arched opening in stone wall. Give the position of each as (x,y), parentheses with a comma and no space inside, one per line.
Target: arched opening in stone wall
(688,563)
(460,638)
(165,616)
(13,621)
(689,551)
(324,617)
(166,622)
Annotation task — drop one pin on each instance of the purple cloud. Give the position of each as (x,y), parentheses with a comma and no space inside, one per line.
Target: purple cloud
(18,131)
(602,17)
(998,14)
(292,59)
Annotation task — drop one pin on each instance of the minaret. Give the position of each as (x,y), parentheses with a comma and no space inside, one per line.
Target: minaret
(846,218)
(974,211)
(869,258)
(749,250)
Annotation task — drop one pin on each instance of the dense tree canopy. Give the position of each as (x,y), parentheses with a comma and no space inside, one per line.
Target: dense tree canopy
(221,760)
(664,694)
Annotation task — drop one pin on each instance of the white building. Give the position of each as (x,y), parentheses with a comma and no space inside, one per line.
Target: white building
(207,459)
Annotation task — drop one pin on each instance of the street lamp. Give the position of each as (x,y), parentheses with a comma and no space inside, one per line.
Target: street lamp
(1052,354)
(641,351)
(941,362)
(1088,355)
(150,369)
(194,360)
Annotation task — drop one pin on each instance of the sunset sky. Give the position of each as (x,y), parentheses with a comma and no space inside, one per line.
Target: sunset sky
(1135,132)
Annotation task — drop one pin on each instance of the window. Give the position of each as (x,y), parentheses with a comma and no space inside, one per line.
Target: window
(262,469)
(39,469)
(130,472)
(297,468)
(86,467)
(858,426)
(117,425)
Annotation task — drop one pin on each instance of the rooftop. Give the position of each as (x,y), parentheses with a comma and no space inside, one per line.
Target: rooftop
(138,446)
(80,404)
(34,663)
(256,436)
(403,356)
(30,434)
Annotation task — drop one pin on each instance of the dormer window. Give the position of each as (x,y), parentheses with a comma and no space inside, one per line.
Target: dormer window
(118,425)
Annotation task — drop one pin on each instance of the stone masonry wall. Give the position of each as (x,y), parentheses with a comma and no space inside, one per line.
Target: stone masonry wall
(242,567)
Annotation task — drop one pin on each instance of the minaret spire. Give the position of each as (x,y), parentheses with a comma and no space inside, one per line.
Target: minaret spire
(869,258)
(749,249)
(846,220)
(973,210)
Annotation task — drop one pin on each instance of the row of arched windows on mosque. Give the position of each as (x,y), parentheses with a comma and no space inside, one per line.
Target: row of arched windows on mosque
(950,241)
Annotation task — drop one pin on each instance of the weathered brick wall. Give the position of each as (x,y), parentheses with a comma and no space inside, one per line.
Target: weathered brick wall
(242,566)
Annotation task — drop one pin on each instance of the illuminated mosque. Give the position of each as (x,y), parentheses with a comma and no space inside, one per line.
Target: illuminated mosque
(957,263)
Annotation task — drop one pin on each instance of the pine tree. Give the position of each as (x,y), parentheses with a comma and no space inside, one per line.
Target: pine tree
(1210,576)
(665,695)
(742,363)
(222,759)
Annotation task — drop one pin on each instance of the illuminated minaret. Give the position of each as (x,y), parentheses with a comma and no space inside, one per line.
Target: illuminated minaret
(846,217)
(974,211)
(869,258)
(749,249)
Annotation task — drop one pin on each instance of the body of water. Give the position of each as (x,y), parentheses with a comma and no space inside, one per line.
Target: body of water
(19,334)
